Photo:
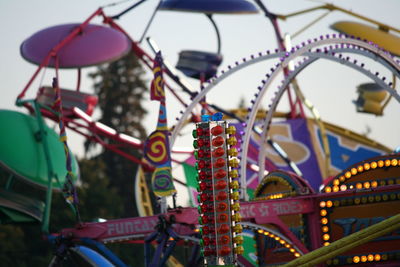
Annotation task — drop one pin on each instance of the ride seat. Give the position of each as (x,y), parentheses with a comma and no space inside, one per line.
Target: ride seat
(16,208)
(69,98)
(195,64)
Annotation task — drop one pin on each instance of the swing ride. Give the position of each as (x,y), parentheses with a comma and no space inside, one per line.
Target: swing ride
(267,188)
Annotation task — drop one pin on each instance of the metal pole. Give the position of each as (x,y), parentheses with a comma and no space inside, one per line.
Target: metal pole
(346,243)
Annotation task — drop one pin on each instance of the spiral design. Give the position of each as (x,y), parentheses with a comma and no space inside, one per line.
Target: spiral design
(162,182)
(156,148)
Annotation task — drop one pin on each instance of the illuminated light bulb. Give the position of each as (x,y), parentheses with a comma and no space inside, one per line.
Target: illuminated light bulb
(329,204)
(239,250)
(343,187)
(220,162)
(218,152)
(238,228)
(203,208)
(370,257)
(233,152)
(364,258)
(222,206)
(204,197)
(223,229)
(224,251)
(374,165)
(381,163)
(292,250)
(221,184)
(377,257)
(202,186)
(224,239)
(394,162)
(326,237)
(347,175)
(205,230)
(234,163)
(356,259)
(221,196)
(359,186)
(322,204)
(342,178)
(297,254)
(335,182)
(201,164)
(387,163)
(222,218)
(328,189)
(237,217)
(238,239)
(260,231)
(353,171)
(323,212)
(325,229)
(326,244)
(235,195)
(217,130)
(367,166)
(202,175)
(282,242)
(287,246)
(221,173)
(234,174)
(232,141)
(367,185)
(336,188)
(360,168)
(236,206)
(234,185)
(197,230)
(218,141)
(324,220)
(231,130)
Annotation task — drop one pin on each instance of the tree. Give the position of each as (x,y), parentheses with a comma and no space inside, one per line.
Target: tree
(121,90)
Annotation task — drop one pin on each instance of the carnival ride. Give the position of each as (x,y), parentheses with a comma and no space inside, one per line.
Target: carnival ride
(306,186)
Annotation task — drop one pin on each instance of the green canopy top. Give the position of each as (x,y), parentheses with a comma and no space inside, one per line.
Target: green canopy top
(22,150)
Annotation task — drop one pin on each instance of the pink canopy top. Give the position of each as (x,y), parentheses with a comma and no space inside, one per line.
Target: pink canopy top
(96,44)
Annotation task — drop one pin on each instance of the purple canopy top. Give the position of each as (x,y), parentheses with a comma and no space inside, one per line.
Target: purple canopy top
(96,44)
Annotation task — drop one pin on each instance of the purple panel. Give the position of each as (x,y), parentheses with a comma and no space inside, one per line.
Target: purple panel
(96,44)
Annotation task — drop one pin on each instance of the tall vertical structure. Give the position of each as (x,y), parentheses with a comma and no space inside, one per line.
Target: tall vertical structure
(218,191)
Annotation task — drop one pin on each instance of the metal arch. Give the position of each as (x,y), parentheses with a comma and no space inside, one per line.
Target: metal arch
(302,51)
(212,84)
(292,75)
(279,234)
(238,66)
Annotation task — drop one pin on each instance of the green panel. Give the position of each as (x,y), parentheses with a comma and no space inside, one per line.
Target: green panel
(249,247)
(190,174)
(12,216)
(21,149)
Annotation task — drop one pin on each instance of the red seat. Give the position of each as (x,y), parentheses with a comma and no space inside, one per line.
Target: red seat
(69,98)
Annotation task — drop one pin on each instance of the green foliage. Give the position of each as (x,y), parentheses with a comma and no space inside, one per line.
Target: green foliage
(121,89)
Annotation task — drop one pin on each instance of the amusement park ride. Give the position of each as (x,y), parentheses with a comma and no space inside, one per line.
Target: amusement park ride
(271,188)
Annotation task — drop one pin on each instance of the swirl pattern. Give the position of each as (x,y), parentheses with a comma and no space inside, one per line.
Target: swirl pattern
(162,182)
(156,148)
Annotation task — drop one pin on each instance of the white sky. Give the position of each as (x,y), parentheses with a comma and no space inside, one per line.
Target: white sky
(242,35)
